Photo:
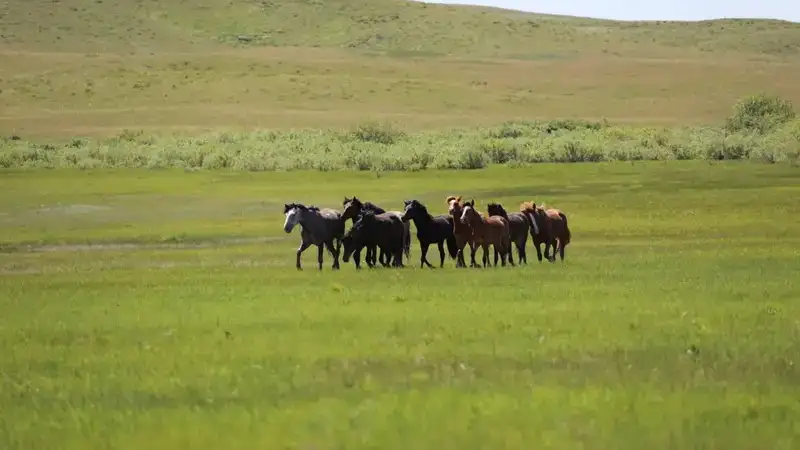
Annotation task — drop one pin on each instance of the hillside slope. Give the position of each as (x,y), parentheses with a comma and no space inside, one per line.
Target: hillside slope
(393,26)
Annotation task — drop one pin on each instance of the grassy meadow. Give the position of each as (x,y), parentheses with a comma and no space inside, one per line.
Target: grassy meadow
(162,309)
(148,293)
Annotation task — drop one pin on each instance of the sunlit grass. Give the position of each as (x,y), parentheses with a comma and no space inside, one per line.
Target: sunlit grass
(671,324)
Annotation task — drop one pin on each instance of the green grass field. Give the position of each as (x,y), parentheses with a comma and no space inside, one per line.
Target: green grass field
(162,309)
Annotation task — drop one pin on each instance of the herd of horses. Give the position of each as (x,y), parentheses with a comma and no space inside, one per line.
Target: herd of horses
(386,235)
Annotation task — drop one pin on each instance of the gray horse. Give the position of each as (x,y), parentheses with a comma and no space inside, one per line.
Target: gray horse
(320,227)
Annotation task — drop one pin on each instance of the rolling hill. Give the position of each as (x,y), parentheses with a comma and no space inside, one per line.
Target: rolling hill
(394,26)
(93,67)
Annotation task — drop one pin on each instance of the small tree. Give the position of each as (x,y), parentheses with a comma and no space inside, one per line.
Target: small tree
(760,113)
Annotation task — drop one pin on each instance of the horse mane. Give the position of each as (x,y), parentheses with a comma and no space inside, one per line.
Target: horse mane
(471,205)
(290,206)
(496,209)
(354,200)
(369,206)
(419,205)
(453,197)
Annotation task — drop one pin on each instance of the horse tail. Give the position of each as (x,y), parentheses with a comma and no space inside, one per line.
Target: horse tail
(567,233)
(407,239)
(452,246)
(507,236)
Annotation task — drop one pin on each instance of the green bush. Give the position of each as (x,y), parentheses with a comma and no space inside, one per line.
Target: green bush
(377,147)
(760,113)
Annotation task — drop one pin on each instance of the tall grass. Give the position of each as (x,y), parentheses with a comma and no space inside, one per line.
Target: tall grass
(761,129)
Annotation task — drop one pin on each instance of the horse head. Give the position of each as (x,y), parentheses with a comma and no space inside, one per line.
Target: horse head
(409,206)
(468,211)
(454,205)
(496,209)
(531,211)
(352,207)
(293,213)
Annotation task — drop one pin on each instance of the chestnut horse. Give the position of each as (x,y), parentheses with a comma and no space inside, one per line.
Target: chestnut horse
(548,226)
(486,231)
(461,231)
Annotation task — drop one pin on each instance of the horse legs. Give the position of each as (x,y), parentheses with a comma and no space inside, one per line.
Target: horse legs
(522,253)
(441,254)
(370,256)
(460,244)
(561,249)
(357,259)
(473,249)
(320,251)
(460,258)
(300,250)
(550,243)
(485,258)
(538,247)
(423,252)
(334,253)
(397,252)
(385,257)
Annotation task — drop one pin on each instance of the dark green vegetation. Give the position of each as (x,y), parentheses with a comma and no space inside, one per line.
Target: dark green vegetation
(672,323)
(761,129)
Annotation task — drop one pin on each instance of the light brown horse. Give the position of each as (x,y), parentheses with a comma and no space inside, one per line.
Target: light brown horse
(486,231)
(461,231)
(549,227)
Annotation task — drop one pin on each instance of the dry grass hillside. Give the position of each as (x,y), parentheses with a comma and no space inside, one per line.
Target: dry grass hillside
(95,67)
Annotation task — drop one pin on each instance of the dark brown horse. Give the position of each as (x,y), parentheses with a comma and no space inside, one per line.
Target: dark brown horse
(486,231)
(549,227)
(430,230)
(382,230)
(520,226)
(353,207)
(461,231)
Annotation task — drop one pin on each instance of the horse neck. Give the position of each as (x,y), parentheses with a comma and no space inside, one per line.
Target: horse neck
(309,220)
(538,218)
(457,221)
(476,221)
(501,213)
(423,219)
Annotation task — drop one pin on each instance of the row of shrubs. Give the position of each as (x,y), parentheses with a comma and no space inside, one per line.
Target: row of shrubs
(762,129)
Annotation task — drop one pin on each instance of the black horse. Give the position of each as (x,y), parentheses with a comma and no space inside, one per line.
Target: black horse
(431,230)
(353,208)
(519,225)
(384,231)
